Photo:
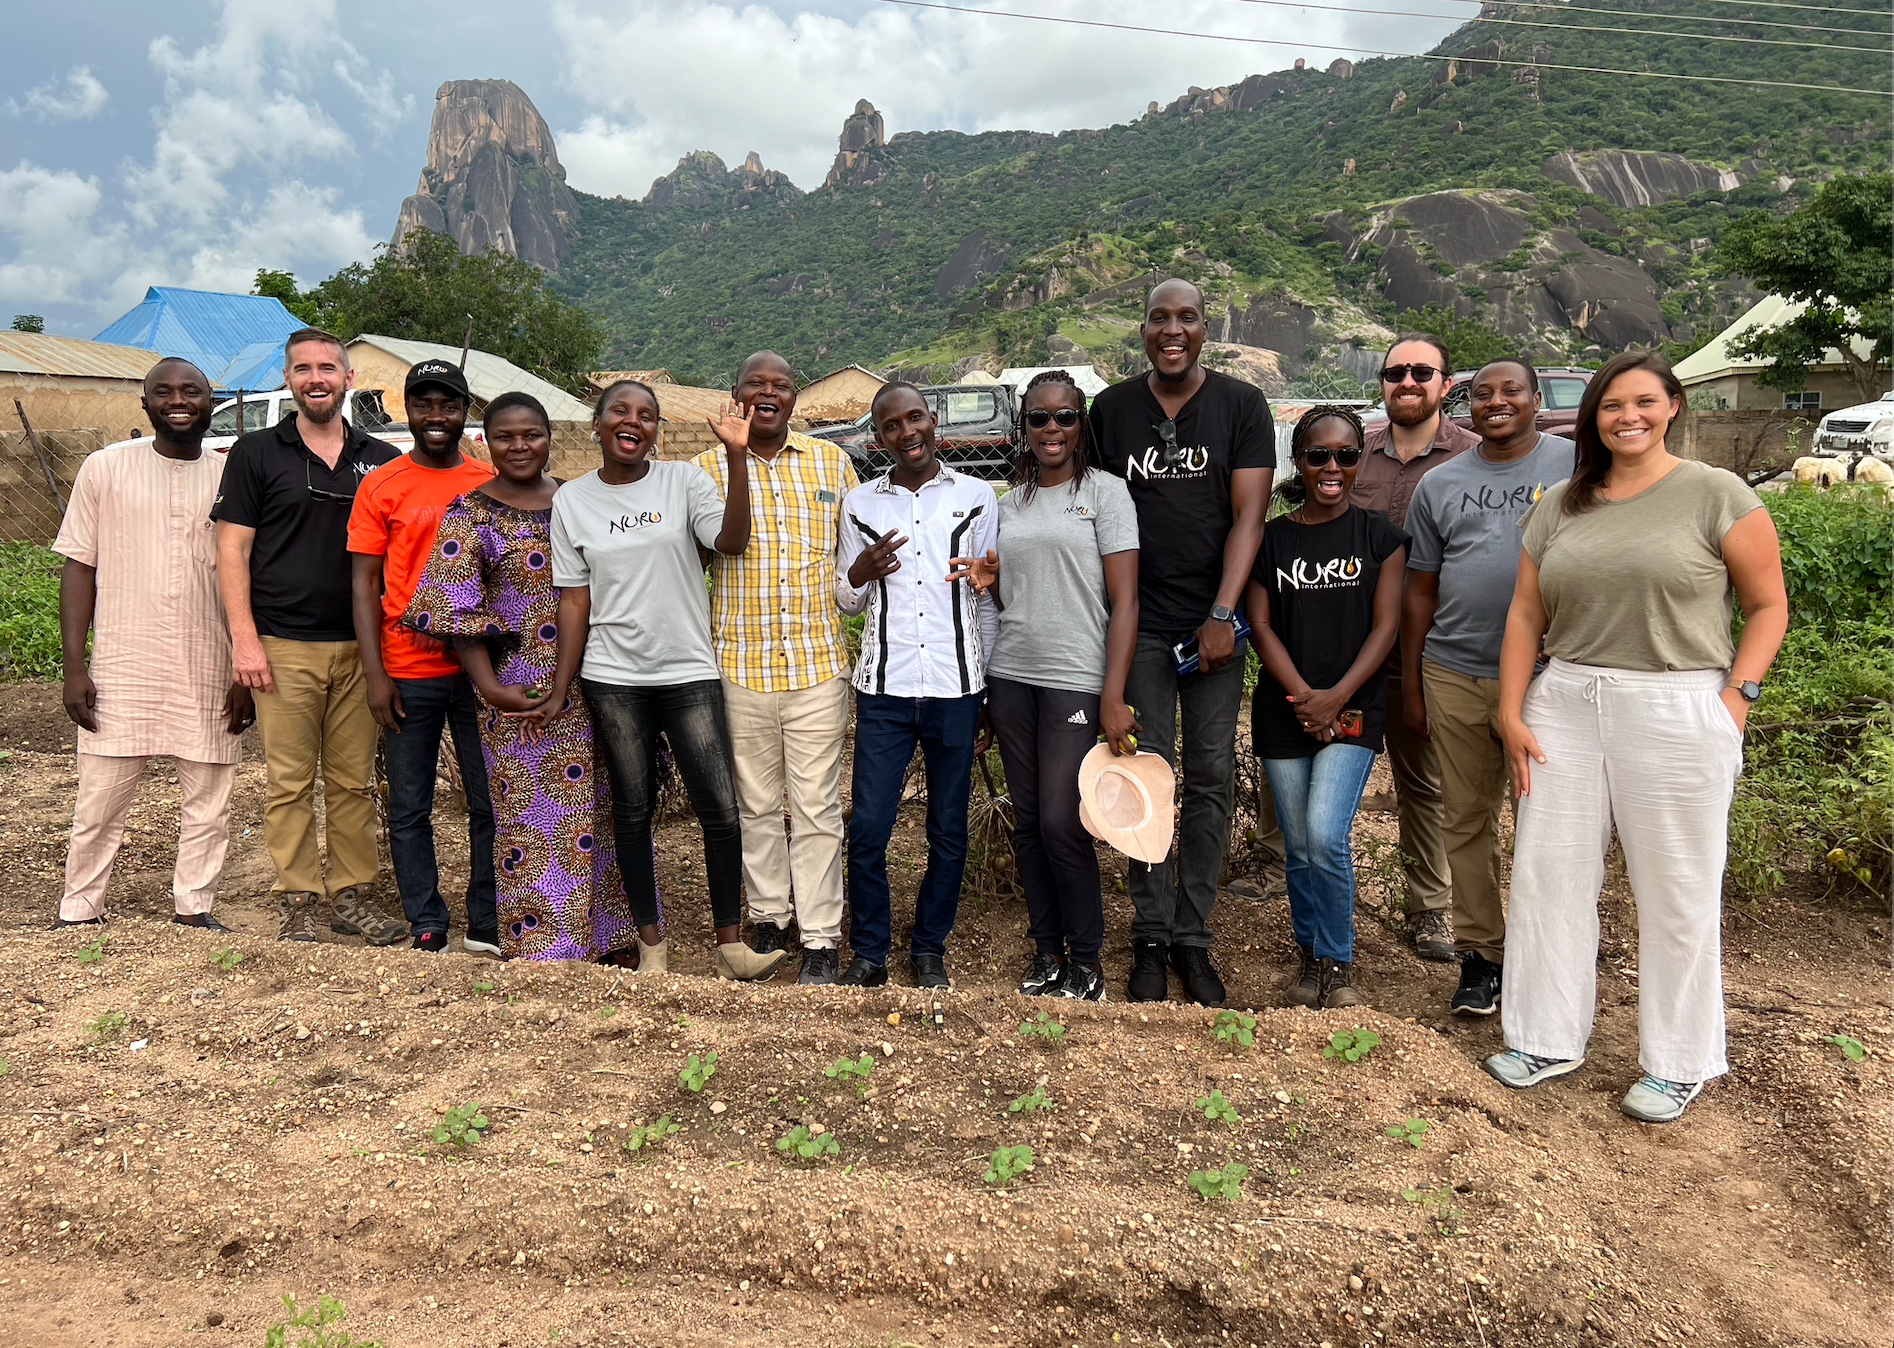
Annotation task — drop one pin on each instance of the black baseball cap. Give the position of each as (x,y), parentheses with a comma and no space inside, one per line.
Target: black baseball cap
(443,373)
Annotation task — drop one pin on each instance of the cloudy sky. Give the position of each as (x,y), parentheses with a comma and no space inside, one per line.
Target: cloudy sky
(192,144)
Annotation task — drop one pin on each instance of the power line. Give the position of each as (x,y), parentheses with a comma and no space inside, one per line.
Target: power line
(1565,27)
(1813,9)
(1366,51)
(1676,18)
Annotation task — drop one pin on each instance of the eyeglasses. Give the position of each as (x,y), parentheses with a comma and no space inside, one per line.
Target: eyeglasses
(1040,417)
(321,495)
(1318,458)
(1397,374)
(1173,452)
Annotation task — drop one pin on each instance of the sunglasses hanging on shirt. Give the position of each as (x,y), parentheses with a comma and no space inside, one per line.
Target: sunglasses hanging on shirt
(319,494)
(1173,452)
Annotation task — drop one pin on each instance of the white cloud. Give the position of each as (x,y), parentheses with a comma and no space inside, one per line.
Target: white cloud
(79,97)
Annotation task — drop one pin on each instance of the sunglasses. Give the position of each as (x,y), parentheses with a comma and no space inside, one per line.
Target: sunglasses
(1039,418)
(1318,458)
(1173,452)
(1395,374)
(321,495)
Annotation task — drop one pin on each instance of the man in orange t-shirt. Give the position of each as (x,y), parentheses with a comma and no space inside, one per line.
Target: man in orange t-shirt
(416,687)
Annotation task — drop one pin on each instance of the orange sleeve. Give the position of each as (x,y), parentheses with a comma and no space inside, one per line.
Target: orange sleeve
(368,520)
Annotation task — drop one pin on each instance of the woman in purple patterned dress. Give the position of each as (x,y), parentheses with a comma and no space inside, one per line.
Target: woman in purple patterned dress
(488,592)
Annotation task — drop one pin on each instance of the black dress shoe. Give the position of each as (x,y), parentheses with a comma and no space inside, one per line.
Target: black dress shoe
(202,921)
(930,971)
(863,973)
(766,938)
(1192,963)
(1149,981)
(818,968)
(59,922)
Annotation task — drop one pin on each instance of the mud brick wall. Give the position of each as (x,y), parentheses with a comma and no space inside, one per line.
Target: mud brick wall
(28,511)
(1746,442)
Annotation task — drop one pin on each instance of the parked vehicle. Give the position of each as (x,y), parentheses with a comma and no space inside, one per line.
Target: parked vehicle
(978,425)
(1854,431)
(361,406)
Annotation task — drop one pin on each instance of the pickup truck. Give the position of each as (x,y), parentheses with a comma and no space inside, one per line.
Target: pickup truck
(978,423)
(1855,431)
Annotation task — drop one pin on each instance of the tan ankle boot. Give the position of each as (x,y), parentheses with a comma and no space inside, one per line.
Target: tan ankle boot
(738,961)
(653,959)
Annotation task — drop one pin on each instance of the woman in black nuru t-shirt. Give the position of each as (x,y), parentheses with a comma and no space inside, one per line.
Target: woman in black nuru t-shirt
(1324,604)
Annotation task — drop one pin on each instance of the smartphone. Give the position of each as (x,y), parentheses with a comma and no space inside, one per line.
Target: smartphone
(1351,723)
(1185,652)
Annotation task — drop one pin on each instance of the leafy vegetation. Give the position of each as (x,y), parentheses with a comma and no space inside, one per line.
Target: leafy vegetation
(1044,1027)
(1351,1045)
(1438,1205)
(460,1126)
(1234,1028)
(1008,1163)
(1035,1099)
(1469,341)
(800,1144)
(92,951)
(107,1024)
(1851,1048)
(1226,1182)
(226,959)
(854,1070)
(315,1323)
(698,1070)
(1218,1109)
(29,612)
(650,1135)
(1410,1132)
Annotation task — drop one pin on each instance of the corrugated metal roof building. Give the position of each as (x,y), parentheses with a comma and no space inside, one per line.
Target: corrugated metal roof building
(382,362)
(66,384)
(235,339)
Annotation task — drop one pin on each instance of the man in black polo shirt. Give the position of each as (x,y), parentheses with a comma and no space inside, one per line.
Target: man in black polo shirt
(1198,451)
(283,564)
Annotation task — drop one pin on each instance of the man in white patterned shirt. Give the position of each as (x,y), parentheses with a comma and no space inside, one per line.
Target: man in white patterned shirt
(921,677)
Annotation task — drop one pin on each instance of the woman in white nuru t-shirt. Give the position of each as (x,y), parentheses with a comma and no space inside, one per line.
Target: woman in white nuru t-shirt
(1627,576)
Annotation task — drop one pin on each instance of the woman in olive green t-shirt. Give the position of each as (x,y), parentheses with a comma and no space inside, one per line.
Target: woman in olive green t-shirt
(1627,576)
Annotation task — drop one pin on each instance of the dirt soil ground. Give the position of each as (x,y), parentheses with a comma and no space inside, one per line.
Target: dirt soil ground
(186,1136)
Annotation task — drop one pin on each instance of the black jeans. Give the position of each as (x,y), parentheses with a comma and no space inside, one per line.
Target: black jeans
(413,757)
(1173,899)
(626,723)
(1044,734)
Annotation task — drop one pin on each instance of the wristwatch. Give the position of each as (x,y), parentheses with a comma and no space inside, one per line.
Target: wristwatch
(1223,615)
(1749,688)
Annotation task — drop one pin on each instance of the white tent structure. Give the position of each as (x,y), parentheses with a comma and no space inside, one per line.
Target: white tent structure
(1084,376)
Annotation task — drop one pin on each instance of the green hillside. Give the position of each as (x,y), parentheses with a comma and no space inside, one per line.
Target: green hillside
(942,244)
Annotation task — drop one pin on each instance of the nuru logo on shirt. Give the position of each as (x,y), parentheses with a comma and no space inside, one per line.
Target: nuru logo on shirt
(1330,575)
(644,518)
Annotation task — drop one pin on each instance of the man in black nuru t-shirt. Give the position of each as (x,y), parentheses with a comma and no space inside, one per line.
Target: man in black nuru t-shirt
(1198,451)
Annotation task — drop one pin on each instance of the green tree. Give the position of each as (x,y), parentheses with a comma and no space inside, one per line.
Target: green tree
(282,286)
(28,323)
(1831,254)
(1472,343)
(427,289)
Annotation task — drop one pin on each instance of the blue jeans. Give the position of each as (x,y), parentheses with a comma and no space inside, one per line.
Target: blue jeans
(886,731)
(1316,800)
(413,757)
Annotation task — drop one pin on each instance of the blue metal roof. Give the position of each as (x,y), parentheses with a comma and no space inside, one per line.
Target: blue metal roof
(236,339)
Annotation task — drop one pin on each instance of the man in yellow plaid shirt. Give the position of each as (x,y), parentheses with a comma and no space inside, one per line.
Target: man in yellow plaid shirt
(779,641)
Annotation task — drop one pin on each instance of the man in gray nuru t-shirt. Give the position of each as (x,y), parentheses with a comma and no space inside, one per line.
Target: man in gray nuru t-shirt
(1461,569)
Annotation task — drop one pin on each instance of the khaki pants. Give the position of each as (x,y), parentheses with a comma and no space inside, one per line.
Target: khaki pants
(1417,802)
(106,788)
(318,715)
(791,743)
(1463,717)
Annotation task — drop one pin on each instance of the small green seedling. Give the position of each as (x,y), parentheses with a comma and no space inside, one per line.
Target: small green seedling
(92,951)
(1438,1206)
(315,1322)
(1851,1048)
(651,1134)
(1045,1027)
(1217,1108)
(1035,1099)
(1410,1132)
(1234,1028)
(607,1012)
(461,1125)
(800,1144)
(697,1072)
(483,987)
(1351,1045)
(1008,1163)
(227,959)
(1226,1183)
(108,1024)
(851,1069)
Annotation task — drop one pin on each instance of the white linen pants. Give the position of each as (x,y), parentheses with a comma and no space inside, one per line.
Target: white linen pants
(1658,755)
(791,741)
(107,786)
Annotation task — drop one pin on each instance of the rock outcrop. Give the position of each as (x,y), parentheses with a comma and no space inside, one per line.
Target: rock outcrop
(701,179)
(493,179)
(1637,177)
(856,160)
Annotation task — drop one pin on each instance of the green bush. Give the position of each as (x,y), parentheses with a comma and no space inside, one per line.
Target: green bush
(29,612)
(1837,552)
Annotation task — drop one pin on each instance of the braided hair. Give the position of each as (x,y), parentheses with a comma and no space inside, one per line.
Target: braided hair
(1291,491)
(1026,465)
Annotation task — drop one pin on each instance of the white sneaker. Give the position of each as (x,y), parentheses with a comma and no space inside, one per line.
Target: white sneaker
(1521,1070)
(1655,1100)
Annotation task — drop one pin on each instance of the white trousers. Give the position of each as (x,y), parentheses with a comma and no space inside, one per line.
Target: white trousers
(1658,756)
(791,743)
(107,786)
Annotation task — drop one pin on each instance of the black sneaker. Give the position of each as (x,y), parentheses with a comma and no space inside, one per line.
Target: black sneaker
(1149,981)
(862,973)
(1478,993)
(482,941)
(818,967)
(430,940)
(1043,978)
(930,971)
(766,938)
(1192,963)
(1082,982)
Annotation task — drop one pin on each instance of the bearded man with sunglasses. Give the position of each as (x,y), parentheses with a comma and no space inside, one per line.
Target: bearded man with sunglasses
(1198,451)
(284,568)
(1415,439)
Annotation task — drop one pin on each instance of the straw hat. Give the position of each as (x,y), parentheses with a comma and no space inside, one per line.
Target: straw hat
(1128,802)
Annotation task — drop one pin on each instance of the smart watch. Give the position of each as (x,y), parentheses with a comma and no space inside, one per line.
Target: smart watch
(1749,688)
(1222,614)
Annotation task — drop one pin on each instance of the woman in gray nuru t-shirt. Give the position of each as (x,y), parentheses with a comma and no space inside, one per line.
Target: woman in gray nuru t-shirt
(1068,592)
(1627,576)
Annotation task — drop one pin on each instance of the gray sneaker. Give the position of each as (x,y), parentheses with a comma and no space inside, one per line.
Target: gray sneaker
(1520,1070)
(1432,931)
(299,916)
(355,914)
(1655,1100)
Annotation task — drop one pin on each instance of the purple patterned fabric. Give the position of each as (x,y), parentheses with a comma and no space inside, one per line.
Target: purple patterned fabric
(560,894)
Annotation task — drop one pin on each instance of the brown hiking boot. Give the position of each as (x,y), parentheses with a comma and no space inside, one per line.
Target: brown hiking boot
(1338,986)
(300,916)
(355,914)
(1433,935)
(1307,989)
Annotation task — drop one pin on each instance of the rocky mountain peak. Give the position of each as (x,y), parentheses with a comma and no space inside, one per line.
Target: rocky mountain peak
(493,177)
(702,179)
(863,133)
